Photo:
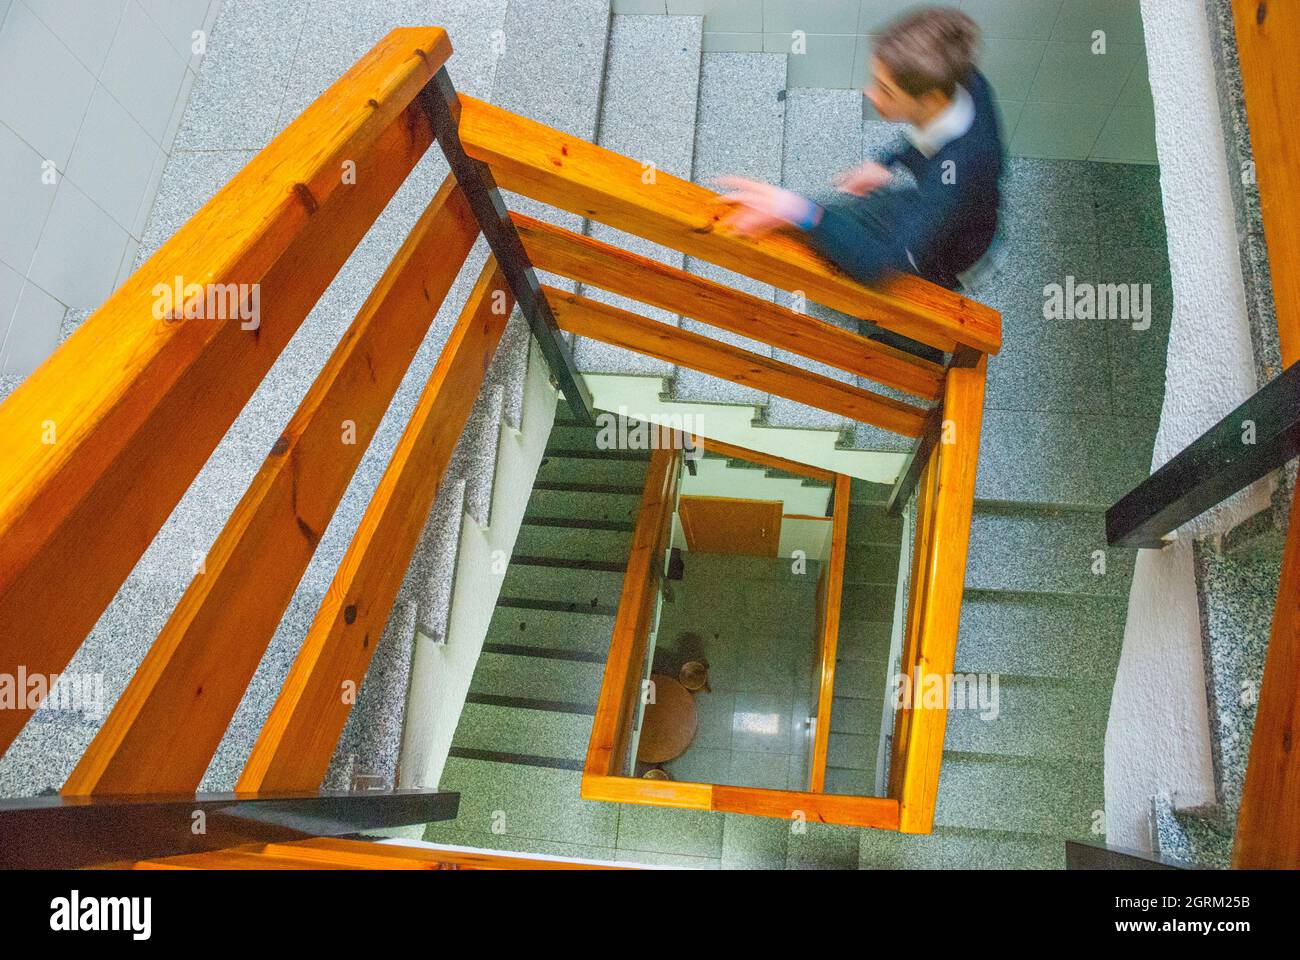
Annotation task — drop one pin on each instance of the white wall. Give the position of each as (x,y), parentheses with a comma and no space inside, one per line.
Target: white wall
(1158,735)
(441,673)
(98,88)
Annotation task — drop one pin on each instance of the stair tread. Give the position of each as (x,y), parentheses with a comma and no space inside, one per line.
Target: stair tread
(650,114)
(511,675)
(556,630)
(526,732)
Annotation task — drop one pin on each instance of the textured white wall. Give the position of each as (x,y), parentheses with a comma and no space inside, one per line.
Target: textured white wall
(440,675)
(1158,736)
(1210,365)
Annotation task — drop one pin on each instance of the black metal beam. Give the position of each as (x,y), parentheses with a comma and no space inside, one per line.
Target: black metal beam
(62,833)
(916,460)
(475,179)
(1258,437)
(1100,856)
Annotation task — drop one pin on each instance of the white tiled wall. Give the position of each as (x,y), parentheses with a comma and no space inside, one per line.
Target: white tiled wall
(92,92)
(1059,99)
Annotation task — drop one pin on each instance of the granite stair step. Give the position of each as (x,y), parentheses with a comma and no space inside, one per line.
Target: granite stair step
(858,715)
(537,678)
(648,110)
(552,72)
(524,802)
(1041,635)
(872,523)
(585,587)
(574,541)
(872,563)
(852,751)
(563,504)
(551,629)
(1043,550)
(1031,717)
(1061,798)
(566,467)
(740,128)
(957,848)
(850,782)
(863,640)
(548,734)
(868,601)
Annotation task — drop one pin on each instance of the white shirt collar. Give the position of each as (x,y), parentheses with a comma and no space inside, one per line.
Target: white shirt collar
(946,127)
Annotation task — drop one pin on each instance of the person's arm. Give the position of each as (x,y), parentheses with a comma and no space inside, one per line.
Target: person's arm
(868,239)
(855,239)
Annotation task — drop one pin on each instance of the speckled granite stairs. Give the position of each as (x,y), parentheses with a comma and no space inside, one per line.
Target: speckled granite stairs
(523,734)
(1237,592)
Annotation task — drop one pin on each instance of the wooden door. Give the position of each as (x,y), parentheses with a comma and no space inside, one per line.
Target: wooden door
(727,525)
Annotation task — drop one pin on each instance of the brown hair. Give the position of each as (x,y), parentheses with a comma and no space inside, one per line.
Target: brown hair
(932,48)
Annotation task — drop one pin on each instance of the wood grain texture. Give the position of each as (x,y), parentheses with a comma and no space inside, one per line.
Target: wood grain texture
(1268,822)
(166,726)
(599,321)
(100,442)
(943,585)
(1267,31)
(598,264)
(294,748)
(876,812)
(731,526)
(828,621)
(922,558)
(567,172)
(620,686)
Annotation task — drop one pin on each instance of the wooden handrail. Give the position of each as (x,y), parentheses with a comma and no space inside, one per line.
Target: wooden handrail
(876,812)
(939,592)
(338,853)
(1266,37)
(828,641)
(98,445)
(159,737)
(620,687)
(567,172)
(1268,823)
(649,281)
(300,734)
(599,321)
(922,557)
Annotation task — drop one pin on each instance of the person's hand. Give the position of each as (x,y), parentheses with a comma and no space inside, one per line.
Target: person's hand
(760,208)
(863,179)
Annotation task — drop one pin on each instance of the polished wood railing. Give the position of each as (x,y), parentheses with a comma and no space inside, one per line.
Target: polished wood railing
(338,853)
(828,633)
(621,688)
(98,445)
(944,506)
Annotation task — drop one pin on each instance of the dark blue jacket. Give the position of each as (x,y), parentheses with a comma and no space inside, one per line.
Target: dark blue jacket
(946,224)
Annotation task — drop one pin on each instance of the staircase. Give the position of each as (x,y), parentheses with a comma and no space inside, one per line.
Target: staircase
(1064,433)
(863,664)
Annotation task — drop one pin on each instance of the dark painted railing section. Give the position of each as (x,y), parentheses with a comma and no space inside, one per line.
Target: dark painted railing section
(1258,437)
(475,179)
(1101,856)
(61,833)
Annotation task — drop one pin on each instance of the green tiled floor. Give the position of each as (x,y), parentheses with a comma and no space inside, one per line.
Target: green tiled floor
(752,619)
